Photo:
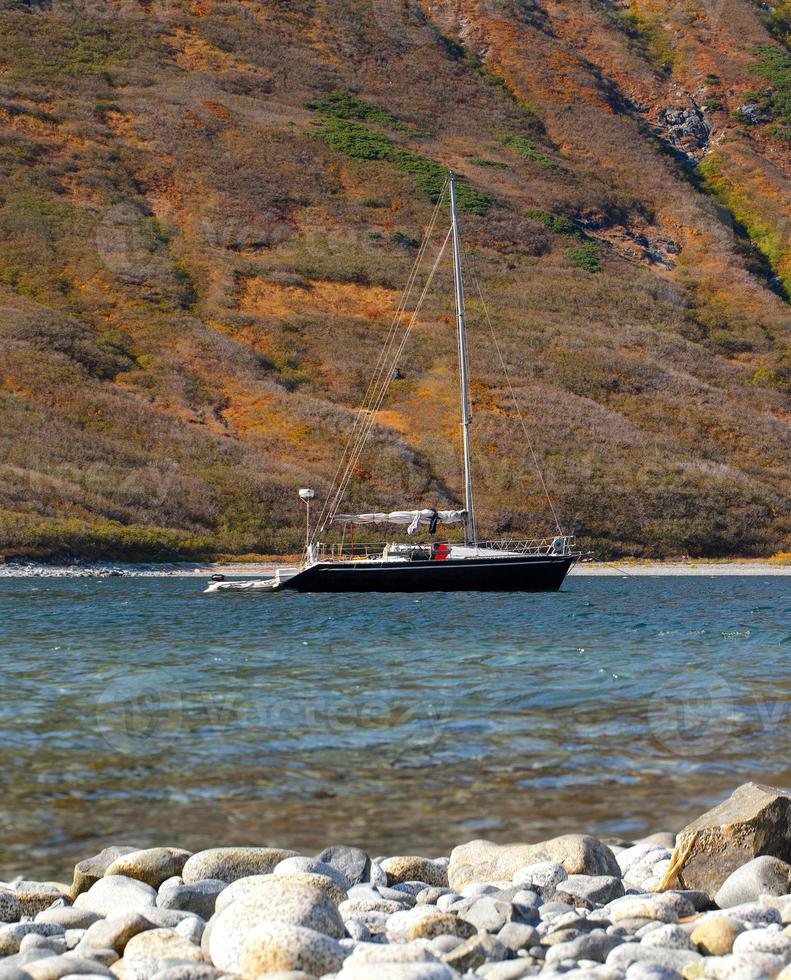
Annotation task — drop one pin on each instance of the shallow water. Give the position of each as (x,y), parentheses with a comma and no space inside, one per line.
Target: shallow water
(139,710)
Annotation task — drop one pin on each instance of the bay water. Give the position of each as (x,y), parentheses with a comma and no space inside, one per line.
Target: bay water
(138,710)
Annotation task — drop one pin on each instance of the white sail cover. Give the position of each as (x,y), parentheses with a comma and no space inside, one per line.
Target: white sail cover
(413,518)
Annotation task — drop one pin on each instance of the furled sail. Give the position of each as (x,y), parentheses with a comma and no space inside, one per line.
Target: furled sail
(413,518)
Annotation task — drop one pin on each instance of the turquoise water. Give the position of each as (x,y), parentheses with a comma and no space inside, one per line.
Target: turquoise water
(140,710)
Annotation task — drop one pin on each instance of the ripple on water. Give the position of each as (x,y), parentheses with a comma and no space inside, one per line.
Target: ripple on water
(140,706)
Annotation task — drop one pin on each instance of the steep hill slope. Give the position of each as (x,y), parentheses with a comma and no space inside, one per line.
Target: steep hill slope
(208,210)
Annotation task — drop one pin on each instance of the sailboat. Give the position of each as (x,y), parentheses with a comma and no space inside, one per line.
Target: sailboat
(438,566)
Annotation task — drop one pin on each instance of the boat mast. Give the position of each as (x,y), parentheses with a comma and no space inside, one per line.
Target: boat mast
(469,529)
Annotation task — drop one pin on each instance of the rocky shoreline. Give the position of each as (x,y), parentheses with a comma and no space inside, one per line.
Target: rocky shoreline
(713,901)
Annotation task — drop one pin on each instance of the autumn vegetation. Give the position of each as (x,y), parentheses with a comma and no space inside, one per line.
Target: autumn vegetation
(208,210)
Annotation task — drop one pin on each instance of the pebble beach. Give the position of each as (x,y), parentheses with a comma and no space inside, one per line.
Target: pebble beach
(713,901)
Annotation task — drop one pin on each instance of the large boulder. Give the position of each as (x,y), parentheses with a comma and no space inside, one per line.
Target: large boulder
(482,861)
(284,901)
(413,868)
(116,896)
(152,865)
(243,887)
(89,871)
(755,820)
(162,944)
(230,863)
(275,946)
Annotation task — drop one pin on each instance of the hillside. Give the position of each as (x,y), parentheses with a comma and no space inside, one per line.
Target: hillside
(208,211)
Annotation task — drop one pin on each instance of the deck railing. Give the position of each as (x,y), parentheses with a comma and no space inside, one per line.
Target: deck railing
(358,551)
(562,544)
(370,551)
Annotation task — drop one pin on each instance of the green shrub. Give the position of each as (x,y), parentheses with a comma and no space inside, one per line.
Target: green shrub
(554,222)
(357,141)
(344,105)
(527,148)
(586,256)
(714,105)
(774,64)
(430,176)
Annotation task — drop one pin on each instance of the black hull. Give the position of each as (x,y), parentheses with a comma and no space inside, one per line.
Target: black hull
(524,573)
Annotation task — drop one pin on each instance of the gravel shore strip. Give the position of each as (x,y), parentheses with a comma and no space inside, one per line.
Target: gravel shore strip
(572,907)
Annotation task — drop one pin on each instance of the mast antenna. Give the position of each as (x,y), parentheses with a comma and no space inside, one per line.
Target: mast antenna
(464,383)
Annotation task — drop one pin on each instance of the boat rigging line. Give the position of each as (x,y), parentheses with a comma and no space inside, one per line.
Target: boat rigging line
(528,440)
(380,382)
(365,415)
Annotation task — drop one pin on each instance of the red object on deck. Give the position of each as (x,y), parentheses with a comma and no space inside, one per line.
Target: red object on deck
(441,552)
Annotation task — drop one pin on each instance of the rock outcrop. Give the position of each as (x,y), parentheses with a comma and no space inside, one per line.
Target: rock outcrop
(754,821)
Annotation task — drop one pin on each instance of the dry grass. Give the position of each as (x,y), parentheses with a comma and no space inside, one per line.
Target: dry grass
(195,286)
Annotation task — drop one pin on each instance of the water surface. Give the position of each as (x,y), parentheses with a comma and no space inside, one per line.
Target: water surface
(140,710)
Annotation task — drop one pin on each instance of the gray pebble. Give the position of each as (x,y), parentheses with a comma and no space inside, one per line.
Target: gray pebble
(517,935)
(358,930)
(487,914)
(667,936)
(352,862)
(551,910)
(199,897)
(55,944)
(592,946)
(378,877)
(445,901)
(763,875)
